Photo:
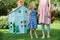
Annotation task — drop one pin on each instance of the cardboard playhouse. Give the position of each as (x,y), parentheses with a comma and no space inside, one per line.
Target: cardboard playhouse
(18,20)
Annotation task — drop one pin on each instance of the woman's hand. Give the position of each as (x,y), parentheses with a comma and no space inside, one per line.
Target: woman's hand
(49,16)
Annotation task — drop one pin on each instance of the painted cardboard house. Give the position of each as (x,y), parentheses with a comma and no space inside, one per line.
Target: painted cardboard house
(18,20)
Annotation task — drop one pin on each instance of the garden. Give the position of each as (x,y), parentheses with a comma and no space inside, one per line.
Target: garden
(6,7)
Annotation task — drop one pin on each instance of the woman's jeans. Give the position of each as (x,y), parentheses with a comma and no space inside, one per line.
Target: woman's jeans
(48,27)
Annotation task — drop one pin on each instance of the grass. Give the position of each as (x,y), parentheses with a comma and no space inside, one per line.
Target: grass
(55,33)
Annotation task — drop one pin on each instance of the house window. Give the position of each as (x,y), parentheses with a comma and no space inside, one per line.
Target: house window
(21,21)
(25,25)
(10,22)
(11,26)
(24,21)
(26,11)
(21,25)
(19,11)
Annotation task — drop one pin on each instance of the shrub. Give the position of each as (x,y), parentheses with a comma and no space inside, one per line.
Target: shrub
(3,22)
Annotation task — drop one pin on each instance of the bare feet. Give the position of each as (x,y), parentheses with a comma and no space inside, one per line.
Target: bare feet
(48,36)
(43,37)
(31,37)
(36,36)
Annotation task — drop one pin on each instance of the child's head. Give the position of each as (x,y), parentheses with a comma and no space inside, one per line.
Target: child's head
(21,2)
(31,5)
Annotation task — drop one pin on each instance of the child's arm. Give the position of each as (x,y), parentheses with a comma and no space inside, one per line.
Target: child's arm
(29,16)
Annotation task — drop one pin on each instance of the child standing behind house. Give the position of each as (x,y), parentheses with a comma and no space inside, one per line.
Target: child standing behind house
(32,19)
(20,2)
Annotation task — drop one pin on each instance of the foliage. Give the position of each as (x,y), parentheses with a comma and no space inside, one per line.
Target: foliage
(3,22)
(59,14)
(7,5)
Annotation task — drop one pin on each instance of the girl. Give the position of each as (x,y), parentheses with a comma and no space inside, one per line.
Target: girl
(32,19)
(20,2)
(44,15)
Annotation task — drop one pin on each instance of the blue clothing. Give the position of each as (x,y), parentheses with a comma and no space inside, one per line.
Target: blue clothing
(48,27)
(33,21)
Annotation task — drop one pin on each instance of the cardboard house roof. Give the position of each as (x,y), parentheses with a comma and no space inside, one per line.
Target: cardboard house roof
(16,9)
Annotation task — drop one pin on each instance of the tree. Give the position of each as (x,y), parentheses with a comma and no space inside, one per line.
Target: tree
(6,5)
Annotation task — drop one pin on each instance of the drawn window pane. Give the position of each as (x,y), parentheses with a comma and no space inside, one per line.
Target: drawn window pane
(10,22)
(24,21)
(21,21)
(19,11)
(11,26)
(25,11)
(25,25)
(21,25)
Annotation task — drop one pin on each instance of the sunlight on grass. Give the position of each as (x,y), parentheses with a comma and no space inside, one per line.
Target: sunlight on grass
(3,21)
(3,17)
(4,30)
(52,26)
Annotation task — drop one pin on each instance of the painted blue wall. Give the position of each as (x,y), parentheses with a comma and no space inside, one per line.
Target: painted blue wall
(20,17)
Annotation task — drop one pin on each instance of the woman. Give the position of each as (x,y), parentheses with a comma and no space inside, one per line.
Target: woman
(44,15)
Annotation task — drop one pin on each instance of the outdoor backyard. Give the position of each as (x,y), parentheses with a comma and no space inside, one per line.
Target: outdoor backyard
(6,7)
(55,33)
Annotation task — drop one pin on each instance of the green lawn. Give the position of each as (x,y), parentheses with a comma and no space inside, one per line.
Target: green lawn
(55,34)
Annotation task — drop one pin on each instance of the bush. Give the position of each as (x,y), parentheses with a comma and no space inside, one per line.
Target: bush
(3,22)
(58,14)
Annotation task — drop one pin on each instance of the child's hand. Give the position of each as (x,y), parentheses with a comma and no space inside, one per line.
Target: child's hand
(38,15)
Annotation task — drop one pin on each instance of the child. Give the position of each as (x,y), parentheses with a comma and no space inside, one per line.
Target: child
(32,19)
(44,16)
(20,2)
